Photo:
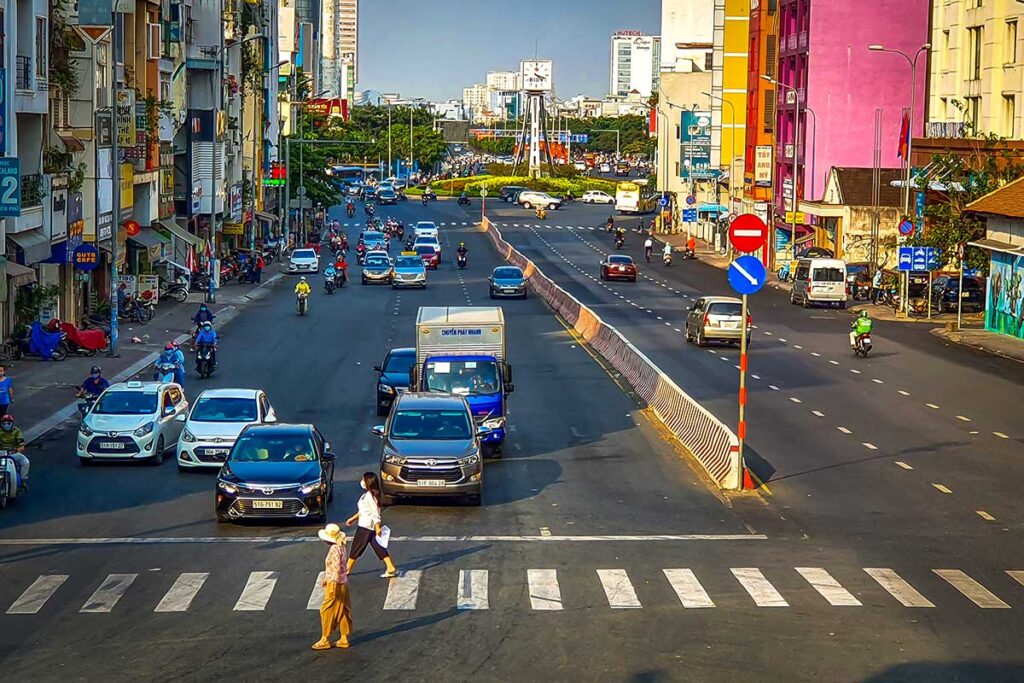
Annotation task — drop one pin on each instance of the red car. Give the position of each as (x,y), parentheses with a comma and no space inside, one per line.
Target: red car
(618,267)
(431,259)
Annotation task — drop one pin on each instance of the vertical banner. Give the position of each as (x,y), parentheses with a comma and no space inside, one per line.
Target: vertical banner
(763,166)
(125,112)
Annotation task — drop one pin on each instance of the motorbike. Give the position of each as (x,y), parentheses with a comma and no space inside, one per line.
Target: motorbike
(666,258)
(350,210)
(647,253)
(360,253)
(464,199)
(9,478)
(178,291)
(329,284)
(424,199)
(301,304)
(340,278)
(689,253)
(84,342)
(21,344)
(861,292)
(199,283)
(460,261)
(85,405)
(204,360)
(400,232)
(541,213)
(863,345)
(165,371)
(619,241)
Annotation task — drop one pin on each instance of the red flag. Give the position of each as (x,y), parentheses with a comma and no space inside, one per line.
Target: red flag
(190,261)
(901,152)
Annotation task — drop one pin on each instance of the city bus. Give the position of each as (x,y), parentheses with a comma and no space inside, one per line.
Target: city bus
(635,197)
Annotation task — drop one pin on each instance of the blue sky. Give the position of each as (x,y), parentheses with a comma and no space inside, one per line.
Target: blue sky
(434,48)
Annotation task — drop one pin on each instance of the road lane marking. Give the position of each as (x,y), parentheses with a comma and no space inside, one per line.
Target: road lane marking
(877,381)
(179,598)
(797,346)
(472,589)
(963,419)
(36,595)
(773,387)
(971,589)
(272,540)
(316,596)
(815,354)
(932,406)
(942,488)
(870,446)
(756,376)
(817,413)
(1017,575)
(544,591)
(897,587)
(828,587)
(618,589)
(904,465)
(403,590)
(985,516)
(109,592)
(544,531)
(782,340)
(758,587)
(794,399)
(257,592)
(691,594)
(856,372)
(902,393)
(834,362)
(844,430)
(1001,435)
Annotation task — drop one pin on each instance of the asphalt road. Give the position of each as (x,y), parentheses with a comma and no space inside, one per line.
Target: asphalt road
(599,553)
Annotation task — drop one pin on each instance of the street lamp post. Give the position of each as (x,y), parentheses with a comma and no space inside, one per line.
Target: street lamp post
(796,156)
(389,138)
(912,61)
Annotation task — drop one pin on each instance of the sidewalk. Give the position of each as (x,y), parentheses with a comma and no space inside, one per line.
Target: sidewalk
(44,391)
(983,340)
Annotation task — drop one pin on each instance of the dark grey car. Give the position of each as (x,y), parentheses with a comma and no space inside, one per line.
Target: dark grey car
(431,448)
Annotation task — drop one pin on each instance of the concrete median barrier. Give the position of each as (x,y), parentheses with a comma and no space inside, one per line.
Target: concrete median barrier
(714,445)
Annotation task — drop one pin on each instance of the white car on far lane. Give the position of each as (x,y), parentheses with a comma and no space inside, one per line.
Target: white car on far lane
(217,417)
(425,228)
(597,197)
(304,261)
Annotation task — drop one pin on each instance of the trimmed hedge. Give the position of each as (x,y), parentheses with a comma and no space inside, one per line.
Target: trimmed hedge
(554,186)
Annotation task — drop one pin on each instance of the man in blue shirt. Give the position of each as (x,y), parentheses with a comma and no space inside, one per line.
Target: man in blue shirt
(6,393)
(95,384)
(208,336)
(179,374)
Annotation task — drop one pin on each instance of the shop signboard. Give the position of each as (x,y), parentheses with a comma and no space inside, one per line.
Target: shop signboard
(125,113)
(763,166)
(148,287)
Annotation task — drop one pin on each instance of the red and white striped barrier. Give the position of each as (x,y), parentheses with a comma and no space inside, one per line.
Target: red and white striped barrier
(714,445)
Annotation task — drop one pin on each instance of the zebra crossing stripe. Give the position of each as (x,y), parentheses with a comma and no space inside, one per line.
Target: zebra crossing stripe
(36,595)
(973,590)
(179,597)
(257,592)
(402,591)
(316,596)
(109,592)
(759,588)
(1017,575)
(684,582)
(828,587)
(618,589)
(544,591)
(897,587)
(472,589)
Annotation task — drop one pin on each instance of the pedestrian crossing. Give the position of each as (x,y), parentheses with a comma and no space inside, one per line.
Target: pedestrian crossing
(618,590)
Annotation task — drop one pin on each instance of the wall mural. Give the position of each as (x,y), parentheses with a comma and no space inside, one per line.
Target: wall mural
(1005,310)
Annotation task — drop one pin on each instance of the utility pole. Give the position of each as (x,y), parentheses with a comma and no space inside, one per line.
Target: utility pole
(115,181)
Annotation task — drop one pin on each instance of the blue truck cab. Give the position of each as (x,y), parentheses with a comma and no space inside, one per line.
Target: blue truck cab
(461,350)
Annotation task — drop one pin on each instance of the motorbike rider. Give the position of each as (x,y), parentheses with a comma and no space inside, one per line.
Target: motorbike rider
(462,251)
(861,326)
(648,248)
(302,287)
(329,273)
(340,270)
(610,223)
(666,252)
(170,357)
(208,337)
(93,385)
(691,246)
(12,441)
(204,314)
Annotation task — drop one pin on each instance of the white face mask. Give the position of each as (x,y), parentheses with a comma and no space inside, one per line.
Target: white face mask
(362,484)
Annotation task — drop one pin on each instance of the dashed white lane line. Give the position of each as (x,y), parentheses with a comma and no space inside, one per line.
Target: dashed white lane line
(676,329)
(856,372)
(870,446)
(794,399)
(1001,435)
(877,381)
(942,488)
(902,393)
(932,406)
(963,418)
(773,387)
(844,430)
(815,354)
(782,340)
(904,465)
(817,413)
(797,346)
(756,376)
(985,516)
(834,362)
(768,333)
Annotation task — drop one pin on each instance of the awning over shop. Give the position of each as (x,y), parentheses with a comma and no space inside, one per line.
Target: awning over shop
(151,240)
(35,245)
(712,208)
(181,233)
(20,275)
(999,245)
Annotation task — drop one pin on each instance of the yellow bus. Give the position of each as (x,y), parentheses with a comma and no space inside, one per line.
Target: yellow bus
(635,197)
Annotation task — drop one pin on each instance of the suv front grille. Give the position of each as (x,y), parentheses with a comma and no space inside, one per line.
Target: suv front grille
(450,474)
(289,508)
(98,445)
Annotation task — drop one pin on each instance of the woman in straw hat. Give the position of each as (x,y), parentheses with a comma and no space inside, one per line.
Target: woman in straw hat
(336,610)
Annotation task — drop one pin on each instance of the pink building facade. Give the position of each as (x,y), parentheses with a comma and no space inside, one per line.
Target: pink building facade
(823,54)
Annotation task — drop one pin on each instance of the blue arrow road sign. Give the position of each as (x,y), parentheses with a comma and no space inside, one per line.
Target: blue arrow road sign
(747,274)
(689,215)
(663,201)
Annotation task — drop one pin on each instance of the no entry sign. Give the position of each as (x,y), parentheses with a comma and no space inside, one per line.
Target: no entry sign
(747,233)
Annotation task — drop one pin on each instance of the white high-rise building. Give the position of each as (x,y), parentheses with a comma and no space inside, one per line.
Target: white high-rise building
(634,63)
(339,47)
(475,100)
(503,80)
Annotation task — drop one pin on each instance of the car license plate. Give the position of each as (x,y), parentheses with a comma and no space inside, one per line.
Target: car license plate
(732,324)
(267,504)
(509,291)
(965,295)
(430,482)
(217,451)
(112,445)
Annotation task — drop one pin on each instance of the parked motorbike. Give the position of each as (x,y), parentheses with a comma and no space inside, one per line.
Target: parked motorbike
(176,291)
(84,342)
(165,372)
(861,292)
(204,361)
(22,345)
(863,345)
(301,303)
(9,479)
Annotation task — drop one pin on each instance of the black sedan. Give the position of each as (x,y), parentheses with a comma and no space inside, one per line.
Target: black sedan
(394,376)
(276,471)
(946,295)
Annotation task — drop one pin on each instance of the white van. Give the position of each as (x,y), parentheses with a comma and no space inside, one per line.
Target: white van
(819,281)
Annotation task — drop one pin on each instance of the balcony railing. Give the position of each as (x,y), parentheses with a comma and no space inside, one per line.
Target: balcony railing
(31,190)
(949,129)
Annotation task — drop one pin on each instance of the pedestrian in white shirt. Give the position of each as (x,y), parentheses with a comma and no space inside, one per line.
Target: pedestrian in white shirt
(368,526)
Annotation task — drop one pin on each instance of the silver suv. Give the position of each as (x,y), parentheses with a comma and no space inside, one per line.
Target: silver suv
(431,448)
(531,198)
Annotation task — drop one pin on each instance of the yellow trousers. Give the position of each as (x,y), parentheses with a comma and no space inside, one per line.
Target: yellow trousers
(336,610)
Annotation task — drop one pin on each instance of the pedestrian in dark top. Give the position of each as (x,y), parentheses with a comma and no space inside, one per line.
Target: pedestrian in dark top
(369,527)
(6,391)
(336,609)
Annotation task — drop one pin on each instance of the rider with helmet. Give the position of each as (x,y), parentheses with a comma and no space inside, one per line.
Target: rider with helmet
(12,441)
(93,385)
(861,326)
(208,336)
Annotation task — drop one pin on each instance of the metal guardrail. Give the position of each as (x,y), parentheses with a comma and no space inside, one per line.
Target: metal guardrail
(714,445)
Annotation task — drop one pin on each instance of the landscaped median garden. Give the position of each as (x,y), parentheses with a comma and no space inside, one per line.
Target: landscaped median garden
(553,186)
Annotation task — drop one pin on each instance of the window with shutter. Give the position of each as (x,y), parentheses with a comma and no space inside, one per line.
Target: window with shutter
(769,110)
(771,55)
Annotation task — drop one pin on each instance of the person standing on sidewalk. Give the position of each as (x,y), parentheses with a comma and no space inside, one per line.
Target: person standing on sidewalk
(260,263)
(336,609)
(6,391)
(369,527)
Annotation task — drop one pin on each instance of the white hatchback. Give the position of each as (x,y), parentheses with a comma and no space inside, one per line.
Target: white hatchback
(425,228)
(217,417)
(304,261)
(132,421)
(597,197)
